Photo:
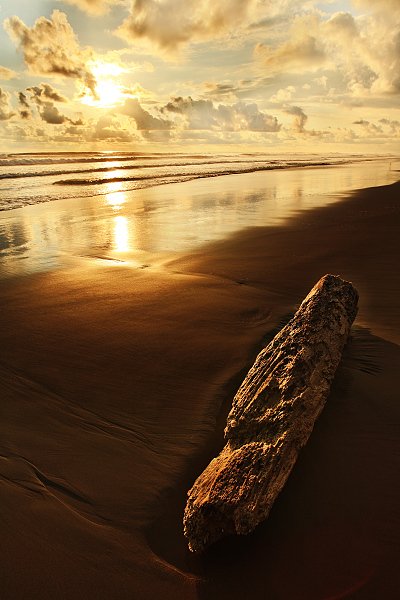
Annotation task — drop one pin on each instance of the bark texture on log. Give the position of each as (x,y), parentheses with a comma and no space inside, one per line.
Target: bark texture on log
(272,417)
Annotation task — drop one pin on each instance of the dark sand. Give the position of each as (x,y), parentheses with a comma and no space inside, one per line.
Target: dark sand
(115,384)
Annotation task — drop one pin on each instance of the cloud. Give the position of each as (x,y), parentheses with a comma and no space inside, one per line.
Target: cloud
(52,93)
(93,7)
(380,51)
(342,24)
(109,128)
(220,90)
(360,55)
(269,22)
(23,100)
(305,53)
(144,120)
(385,128)
(6,74)
(50,114)
(204,114)
(363,51)
(24,112)
(252,119)
(45,92)
(367,48)
(300,117)
(393,124)
(182,115)
(368,51)
(283,95)
(231,90)
(44,96)
(51,47)
(5,110)
(170,24)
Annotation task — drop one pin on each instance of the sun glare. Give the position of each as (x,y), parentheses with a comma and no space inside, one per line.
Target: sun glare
(115,196)
(109,92)
(121,234)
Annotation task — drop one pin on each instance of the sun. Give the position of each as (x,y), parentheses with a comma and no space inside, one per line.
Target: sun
(108,91)
(109,94)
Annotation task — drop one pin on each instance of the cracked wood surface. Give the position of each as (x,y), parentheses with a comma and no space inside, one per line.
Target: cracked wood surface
(272,417)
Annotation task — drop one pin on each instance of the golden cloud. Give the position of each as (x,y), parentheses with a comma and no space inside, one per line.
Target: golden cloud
(51,47)
(305,53)
(170,24)
(5,110)
(205,115)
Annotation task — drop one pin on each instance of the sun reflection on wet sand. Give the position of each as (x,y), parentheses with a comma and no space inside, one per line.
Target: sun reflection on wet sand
(121,234)
(115,196)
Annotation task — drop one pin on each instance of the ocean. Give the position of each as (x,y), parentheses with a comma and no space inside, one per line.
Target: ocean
(58,208)
(41,177)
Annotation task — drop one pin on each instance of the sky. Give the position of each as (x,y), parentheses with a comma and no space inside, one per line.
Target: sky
(318,76)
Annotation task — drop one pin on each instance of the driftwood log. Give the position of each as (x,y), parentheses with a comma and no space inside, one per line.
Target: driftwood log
(272,417)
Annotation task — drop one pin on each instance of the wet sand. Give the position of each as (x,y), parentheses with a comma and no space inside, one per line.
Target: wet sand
(115,385)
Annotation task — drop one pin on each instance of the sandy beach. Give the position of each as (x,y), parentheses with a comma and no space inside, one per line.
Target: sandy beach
(116,378)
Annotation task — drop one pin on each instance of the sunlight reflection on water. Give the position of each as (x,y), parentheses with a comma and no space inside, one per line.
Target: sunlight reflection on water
(172,218)
(114,195)
(121,234)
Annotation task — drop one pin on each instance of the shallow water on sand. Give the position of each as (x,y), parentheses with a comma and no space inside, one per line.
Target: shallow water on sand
(137,225)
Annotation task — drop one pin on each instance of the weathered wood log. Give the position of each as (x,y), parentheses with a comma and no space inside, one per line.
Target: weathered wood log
(272,417)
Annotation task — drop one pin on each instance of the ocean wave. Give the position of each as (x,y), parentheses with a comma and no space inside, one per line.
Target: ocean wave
(20,160)
(41,180)
(22,201)
(20,175)
(202,174)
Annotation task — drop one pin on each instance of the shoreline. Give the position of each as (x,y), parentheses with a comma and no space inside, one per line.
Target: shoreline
(344,223)
(116,380)
(146,227)
(161,180)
